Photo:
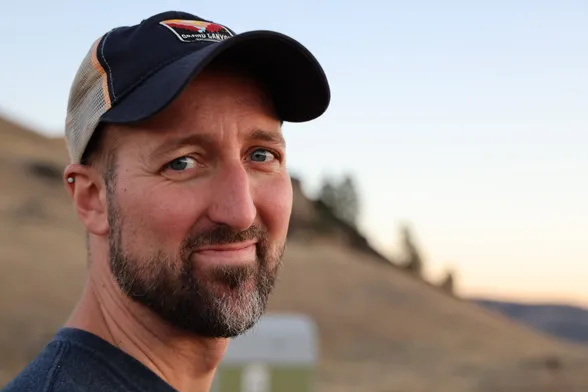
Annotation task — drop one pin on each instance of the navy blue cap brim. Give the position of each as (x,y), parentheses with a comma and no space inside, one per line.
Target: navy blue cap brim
(297,82)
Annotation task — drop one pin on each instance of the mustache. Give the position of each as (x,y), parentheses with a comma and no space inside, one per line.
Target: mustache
(223,235)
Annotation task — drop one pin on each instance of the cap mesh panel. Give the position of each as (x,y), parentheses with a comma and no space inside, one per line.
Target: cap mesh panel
(88,101)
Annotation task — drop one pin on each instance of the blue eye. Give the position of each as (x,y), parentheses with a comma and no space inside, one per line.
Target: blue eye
(182,163)
(261,155)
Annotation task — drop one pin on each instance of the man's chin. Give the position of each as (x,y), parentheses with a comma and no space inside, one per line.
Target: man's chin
(221,288)
(231,312)
(232,278)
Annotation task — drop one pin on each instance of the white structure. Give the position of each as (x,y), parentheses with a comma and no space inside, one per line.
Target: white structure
(278,354)
(277,339)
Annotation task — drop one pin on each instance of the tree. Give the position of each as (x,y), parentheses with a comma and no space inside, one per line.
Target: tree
(448,283)
(328,194)
(341,198)
(348,201)
(413,262)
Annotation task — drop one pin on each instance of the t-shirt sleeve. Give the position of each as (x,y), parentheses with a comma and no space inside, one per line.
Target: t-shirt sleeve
(41,374)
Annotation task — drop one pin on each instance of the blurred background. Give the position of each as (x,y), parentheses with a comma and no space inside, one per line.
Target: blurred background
(441,200)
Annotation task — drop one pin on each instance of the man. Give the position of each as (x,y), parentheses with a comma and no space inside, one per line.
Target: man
(178,175)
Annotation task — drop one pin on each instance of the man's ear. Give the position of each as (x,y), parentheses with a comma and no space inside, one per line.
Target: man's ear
(87,190)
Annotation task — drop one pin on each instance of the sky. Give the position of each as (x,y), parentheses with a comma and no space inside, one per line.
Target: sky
(466,120)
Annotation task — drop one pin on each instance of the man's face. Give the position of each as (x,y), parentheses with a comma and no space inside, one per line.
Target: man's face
(199,205)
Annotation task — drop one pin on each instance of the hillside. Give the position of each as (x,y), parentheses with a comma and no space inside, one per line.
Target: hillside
(563,321)
(380,330)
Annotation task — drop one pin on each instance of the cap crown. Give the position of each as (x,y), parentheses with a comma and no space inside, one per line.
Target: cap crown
(124,57)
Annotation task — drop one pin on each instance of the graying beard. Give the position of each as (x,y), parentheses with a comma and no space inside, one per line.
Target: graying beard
(232,312)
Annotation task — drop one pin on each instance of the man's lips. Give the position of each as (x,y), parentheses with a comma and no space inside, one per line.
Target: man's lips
(227,253)
(227,247)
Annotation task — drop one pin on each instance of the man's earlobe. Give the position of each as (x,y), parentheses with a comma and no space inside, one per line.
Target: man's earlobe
(86,188)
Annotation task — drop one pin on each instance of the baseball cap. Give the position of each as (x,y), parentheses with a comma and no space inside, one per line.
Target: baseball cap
(133,72)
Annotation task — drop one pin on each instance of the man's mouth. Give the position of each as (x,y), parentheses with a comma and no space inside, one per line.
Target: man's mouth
(235,253)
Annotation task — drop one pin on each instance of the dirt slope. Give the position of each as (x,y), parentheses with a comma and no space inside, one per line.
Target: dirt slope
(379,329)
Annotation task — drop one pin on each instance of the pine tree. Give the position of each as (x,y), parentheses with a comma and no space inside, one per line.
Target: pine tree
(348,201)
(341,198)
(448,282)
(413,262)
(328,194)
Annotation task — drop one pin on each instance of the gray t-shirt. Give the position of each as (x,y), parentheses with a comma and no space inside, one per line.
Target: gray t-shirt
(78,361)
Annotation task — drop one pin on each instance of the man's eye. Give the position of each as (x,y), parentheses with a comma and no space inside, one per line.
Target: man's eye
(182,163)
(262,155)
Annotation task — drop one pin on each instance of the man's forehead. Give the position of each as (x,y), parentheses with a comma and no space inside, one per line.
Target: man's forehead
(158,144)
(272,135)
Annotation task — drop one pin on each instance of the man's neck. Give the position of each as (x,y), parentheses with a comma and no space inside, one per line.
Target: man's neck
(184,361)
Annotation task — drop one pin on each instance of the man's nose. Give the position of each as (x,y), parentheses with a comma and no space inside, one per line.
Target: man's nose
(232,201)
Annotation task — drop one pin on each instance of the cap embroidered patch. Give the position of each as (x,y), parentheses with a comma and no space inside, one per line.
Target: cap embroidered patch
(197,30)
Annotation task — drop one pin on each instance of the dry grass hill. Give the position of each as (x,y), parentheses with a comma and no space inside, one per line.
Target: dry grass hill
(380,330)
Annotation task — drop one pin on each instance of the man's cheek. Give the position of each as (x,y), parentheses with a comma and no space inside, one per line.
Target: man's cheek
(163,218)
(275,206)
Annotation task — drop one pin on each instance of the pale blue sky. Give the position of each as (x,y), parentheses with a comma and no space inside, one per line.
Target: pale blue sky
(467,119)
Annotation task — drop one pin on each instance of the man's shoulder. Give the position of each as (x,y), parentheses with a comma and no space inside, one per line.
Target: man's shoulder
(64,366)
(78,361)
(41,374)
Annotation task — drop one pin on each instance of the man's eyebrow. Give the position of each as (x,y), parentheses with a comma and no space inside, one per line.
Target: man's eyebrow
(272,137)
(179,142)
(207,140)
